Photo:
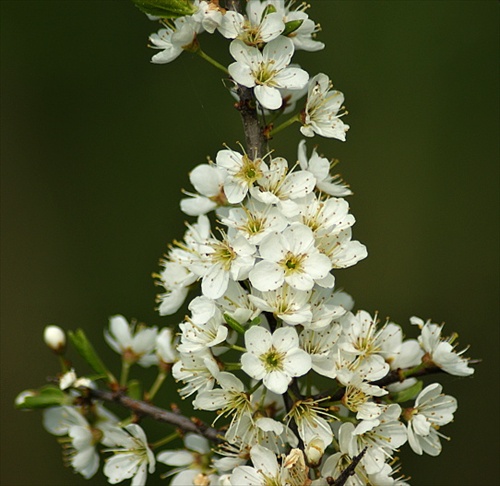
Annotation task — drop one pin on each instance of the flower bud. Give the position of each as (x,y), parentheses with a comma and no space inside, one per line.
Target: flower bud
(55,339)
(314,451)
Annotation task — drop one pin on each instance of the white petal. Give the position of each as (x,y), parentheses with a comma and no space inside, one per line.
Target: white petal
(267,96)
(266,276)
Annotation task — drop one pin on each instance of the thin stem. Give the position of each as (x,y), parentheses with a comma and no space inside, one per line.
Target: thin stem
(165,440)
(238,348)
(285,124)
(212,61)
(124,374)
(156,385)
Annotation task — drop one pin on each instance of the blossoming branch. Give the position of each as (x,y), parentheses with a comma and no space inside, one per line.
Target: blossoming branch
(303,390)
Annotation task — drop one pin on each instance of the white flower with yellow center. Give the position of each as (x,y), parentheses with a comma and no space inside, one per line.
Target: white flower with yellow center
(274,358)
(255,221)
(280,187)
(321,114)
(242,171)
(286,303)
(226,258)
(432,410)
(252,30)
(266,71)
(291,257)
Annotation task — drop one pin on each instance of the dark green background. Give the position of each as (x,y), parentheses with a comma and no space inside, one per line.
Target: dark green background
(97,143)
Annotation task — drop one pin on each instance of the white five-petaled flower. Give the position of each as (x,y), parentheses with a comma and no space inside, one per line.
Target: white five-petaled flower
(172,41)
(441,351)
(134,343)
(321,114)
(432,410)
(242,172)
(132,459)
(266,71)
(274,358)
(291,257)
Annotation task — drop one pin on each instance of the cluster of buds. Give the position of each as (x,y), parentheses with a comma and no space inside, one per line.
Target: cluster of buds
(305,391)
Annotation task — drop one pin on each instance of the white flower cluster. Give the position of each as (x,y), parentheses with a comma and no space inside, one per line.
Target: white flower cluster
(304,389)
(262,45)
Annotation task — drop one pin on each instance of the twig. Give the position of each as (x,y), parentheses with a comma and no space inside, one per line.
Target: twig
(160,415)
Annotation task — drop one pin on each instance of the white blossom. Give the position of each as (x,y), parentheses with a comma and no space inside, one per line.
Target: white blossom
(321,114)
(134,342)
(132,459)
(274,358)
(431,411)
(266,71)
(441,351)
(291,257)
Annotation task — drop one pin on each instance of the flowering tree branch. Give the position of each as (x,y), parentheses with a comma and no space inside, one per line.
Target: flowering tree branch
(268,319)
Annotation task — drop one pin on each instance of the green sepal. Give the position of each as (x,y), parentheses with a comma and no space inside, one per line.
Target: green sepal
(47,396)
(408,393)
(268,10)
(134,389)
(255,321)
(165,9)
(234,324)
(292,26)
(88,353)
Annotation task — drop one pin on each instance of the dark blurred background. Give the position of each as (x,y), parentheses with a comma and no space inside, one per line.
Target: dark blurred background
(97,143)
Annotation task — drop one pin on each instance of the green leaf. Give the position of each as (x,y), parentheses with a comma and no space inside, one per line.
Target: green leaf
(165,9)
(407,394)
(234,324)
(88,353)
(47,396)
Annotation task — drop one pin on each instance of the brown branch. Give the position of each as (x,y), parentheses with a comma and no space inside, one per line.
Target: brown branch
(182,422)
(254,137)
(347,472)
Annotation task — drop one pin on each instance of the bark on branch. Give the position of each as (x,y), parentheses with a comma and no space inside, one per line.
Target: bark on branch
(180,421)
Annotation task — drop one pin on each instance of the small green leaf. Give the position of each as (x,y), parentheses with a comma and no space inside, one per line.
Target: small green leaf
(234,324)
(88,353)
(408,393)
(47,396)
(165,9)
(292,26)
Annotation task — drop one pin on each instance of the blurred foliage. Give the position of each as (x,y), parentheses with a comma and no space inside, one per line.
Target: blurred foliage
(97,143)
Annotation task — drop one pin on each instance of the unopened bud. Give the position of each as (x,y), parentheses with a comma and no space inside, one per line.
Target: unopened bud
(55,339)
(314,451)
(20,399)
